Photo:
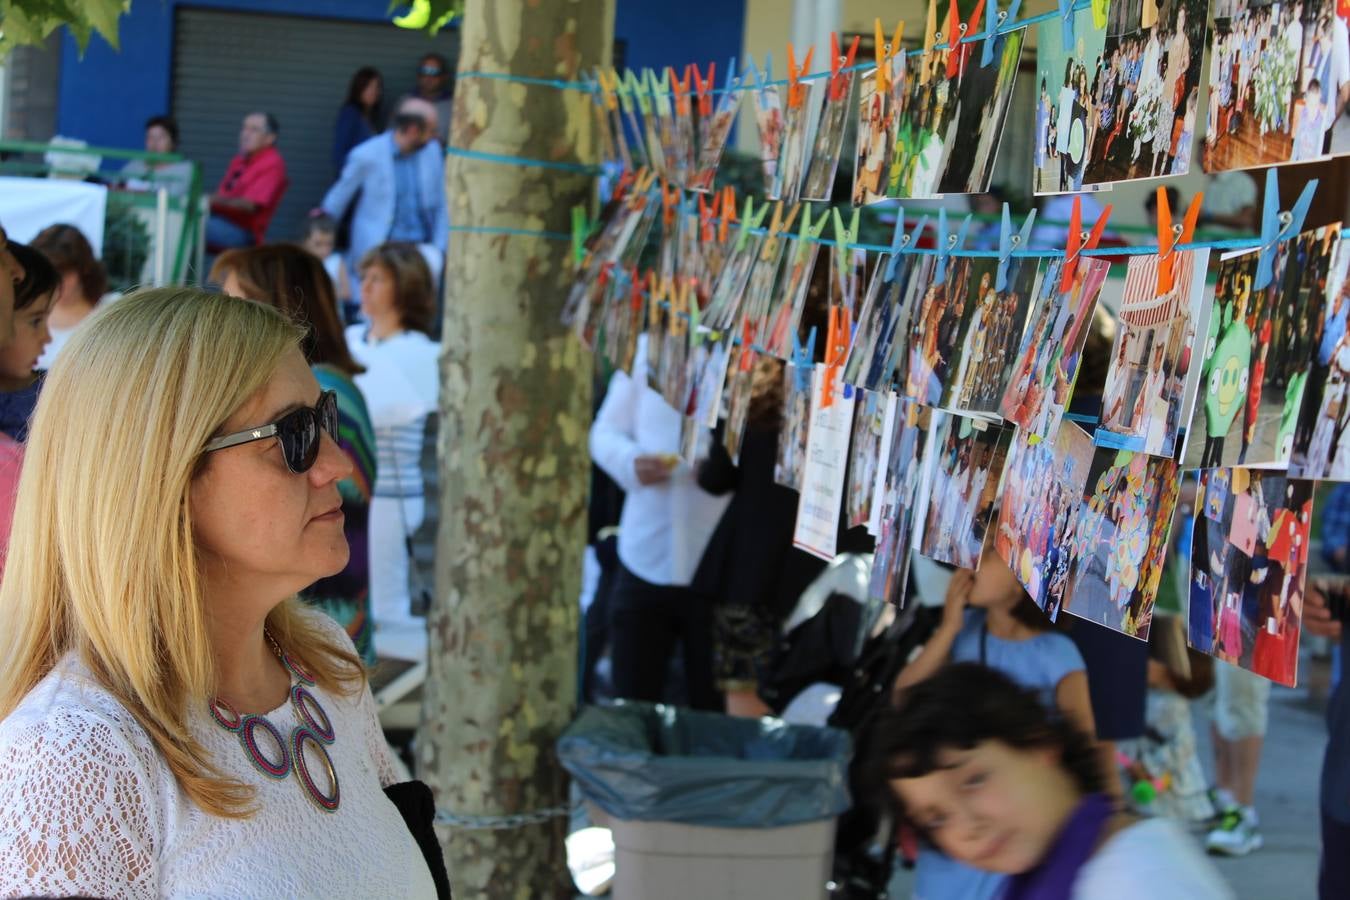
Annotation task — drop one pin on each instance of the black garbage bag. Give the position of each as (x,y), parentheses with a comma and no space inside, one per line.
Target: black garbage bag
(666,764)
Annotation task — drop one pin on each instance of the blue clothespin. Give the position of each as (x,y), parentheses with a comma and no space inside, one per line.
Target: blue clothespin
(901,242)
(759,78)
(1008,242)
(947,243)
(804,359)
(1279,226)
(1066,14)
(733,76)
(992,39)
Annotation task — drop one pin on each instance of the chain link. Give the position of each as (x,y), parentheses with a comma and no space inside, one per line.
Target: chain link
(503,823)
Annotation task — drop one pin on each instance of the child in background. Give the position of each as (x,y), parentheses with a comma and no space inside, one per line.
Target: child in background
(1310,123)
(320,238)
(985,771)
(20,379)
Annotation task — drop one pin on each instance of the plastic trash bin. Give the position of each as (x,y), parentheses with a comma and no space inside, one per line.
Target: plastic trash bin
(710,806)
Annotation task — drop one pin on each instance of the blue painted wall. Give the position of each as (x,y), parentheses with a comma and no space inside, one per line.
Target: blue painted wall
(106,95)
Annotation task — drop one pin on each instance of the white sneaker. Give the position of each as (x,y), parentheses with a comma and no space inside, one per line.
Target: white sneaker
(1236,835)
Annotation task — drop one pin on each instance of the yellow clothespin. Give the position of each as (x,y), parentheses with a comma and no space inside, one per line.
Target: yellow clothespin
(885,53)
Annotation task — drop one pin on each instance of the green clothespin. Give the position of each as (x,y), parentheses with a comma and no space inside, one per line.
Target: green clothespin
(638,88)
(810,232)
(750,220)
(581,230)
(844,237)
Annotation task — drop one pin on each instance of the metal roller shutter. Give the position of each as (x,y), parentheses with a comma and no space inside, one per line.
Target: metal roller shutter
(227,64)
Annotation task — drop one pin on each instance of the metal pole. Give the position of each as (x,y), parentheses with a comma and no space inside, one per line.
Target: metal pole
(161,235)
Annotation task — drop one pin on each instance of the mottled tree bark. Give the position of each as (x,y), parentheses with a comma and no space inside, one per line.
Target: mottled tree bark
(515,409)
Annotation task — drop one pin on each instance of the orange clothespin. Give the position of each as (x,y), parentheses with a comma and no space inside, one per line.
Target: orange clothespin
(962,55)
(635,295)
(839,81)
(1079,241)
(704,88)
(729,216)
(679,90)
(836,352)
(707,214)
(885,53)
(670,203)
(1170,235)
(797,90)
(748,352)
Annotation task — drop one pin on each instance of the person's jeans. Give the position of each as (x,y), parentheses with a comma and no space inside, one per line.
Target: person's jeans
(222,234)
(645,622)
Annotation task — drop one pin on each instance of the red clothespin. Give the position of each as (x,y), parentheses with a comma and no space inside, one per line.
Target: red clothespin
(747,360)
(704,88)
(953,41)
(1079,241)
(707,213)
(729,216)
(626,180)
(885,53)
(679,89)
(965,49)
(796,90)
(1170,235)
(839,81)
(836,352)
(635,291)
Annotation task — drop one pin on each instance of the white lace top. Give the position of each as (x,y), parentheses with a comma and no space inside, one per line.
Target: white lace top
(88,807)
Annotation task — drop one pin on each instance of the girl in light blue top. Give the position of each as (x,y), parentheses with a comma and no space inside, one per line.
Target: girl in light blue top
(989,619)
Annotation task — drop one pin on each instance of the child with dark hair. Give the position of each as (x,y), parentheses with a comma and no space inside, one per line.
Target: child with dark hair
(989,619)
(20,377)
(985,771)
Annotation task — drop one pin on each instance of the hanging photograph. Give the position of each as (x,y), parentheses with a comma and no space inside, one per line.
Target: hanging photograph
(1063,100)
(798,383)
(965,477)
(1249,573)
(1052,348)
(987,340)
(876,141)
(1151,384)
(771,127)
(714,138)
(897,498)
(983,99)
(836,102)
(789,301)
(1150,77)
(1043,488)
(877,358)
(1120,540)
(797,141)
(1320,446)
(926,128)
(869,413)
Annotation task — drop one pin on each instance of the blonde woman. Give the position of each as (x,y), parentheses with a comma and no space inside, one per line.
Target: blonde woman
(175,723)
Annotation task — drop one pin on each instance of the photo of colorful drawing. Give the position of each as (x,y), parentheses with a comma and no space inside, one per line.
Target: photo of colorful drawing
(1246,606)
(1065,107)
(798,384)
(869,413)
(1149,79)
(1321,447)
(965,480)
(1051,349)
(983,100)
(1260,348)
(1150,383)
(1120,540)
(926,128)
(899,491)
(1043,488)
(1275,83)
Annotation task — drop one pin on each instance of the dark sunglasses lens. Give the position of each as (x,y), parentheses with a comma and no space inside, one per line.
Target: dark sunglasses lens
(431,70)
(299,436)
(328,414)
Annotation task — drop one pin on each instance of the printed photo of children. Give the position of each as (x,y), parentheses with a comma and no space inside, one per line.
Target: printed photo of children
(965,479)
(1064,104)
(878,358)
(1151,383)
(983,99)
(1248,571)
(876,142)
(1051,349)
(909,436)
(988,339)
(1320,450)
(1120,540)
(869,413)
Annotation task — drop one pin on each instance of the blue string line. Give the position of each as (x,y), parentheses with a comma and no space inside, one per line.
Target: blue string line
(519,232)
(580,168)
(591,87)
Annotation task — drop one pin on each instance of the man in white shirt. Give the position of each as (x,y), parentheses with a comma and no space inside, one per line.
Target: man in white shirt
(665,526)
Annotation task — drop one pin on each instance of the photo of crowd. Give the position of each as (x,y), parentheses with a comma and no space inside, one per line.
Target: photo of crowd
(898,494)
(965,479)
(1321,449)
(869,414)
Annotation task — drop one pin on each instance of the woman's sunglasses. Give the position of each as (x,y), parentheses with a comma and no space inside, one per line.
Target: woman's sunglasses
(298,432)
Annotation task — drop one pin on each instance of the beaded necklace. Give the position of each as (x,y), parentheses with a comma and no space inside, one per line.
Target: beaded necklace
(289,755)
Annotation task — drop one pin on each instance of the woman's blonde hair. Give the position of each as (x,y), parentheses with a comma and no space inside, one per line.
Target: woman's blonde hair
(102,560)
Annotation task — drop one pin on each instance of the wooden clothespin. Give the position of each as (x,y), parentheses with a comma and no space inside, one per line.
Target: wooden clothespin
(956,62)
(947,243)
(836,352)
(777,225)
(1170,235)
(840,65)
(1008,242)
(992,38)
(1066,14)
(728,213)
(703,87)
(1079,241)
(803,359)
(931,35)
(902,242)
(1279,226)
(796,90)
(642,184)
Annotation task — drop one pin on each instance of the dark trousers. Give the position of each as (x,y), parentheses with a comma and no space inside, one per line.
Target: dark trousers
(646,621)
(1333,881)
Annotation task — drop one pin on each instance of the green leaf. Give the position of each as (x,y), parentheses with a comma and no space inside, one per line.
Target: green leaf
(31,22)
(427,15)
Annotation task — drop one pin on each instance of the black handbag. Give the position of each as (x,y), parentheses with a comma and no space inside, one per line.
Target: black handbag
(418,808)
